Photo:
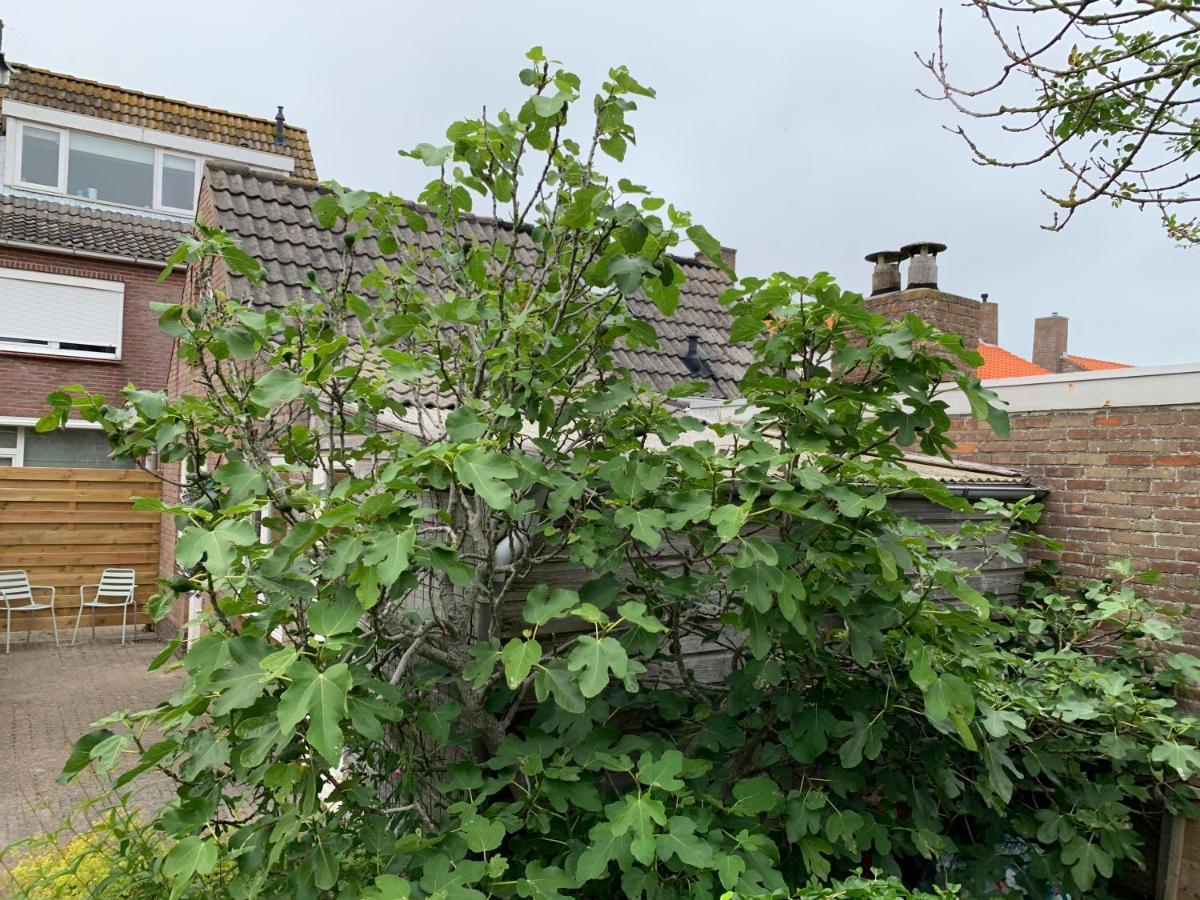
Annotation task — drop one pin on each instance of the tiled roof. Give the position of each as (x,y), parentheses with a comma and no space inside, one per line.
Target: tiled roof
(1001,363)
(25,220)
(1089,364)
(270,217)
(117,104)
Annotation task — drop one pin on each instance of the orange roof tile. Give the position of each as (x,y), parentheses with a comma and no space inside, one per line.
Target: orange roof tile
(1096,365)
(1000,363)
(116,104)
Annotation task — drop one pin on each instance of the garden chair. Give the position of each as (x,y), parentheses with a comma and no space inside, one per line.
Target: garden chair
(115,588)
(16,593)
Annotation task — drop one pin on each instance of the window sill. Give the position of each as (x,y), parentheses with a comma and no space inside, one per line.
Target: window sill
(63,356)
(175,215)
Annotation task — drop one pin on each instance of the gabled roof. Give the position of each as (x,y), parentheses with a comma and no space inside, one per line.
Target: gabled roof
(60,226)
(1001,363)
(270,217)
(69,93)
(1088,364)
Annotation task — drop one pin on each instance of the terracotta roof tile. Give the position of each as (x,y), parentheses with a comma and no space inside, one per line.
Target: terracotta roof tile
(270,217)
(40,87)
(1001,363)
(1095,365)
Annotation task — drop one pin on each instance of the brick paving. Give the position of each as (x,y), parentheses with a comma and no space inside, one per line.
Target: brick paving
(48,698)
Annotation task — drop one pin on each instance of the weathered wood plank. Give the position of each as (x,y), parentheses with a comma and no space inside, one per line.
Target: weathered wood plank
(81,516)
(64,526)
(11,537)
(51,473)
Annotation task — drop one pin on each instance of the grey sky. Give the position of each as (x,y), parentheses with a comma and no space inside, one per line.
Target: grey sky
(791,129)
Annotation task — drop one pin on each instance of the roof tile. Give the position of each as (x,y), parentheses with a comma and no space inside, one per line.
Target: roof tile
(270,217)
(27,220)
(40,87)
(1001,363)
(1091,364)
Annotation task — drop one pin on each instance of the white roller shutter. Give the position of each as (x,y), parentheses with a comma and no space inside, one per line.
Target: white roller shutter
(40,313)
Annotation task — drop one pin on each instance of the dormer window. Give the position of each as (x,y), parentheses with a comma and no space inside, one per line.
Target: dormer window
(91,167)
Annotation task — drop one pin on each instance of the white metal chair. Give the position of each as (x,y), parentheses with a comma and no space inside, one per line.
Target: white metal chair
(16,593)
(115,588)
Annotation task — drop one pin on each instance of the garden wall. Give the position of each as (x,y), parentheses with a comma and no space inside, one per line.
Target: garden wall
(1119,452)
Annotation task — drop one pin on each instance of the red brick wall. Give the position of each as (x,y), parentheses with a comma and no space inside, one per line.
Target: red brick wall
(1123,483)
(145,352)
(181,380)
(948,312)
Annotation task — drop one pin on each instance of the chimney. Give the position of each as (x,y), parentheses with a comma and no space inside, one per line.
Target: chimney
(885,278)
(728,255)
(989,321)
(280,138)
(922,298)
(922,263)
(1050,341)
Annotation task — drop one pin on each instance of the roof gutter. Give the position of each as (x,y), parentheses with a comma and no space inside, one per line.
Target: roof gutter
(89,254)
(997,491)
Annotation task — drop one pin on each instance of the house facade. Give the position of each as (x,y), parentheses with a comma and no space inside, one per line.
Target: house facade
(97,185)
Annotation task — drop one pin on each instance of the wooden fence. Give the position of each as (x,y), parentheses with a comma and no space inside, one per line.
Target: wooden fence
(63,526)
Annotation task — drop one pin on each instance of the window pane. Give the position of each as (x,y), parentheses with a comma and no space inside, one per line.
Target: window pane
(178,182)
(8,437)
(70,448)
(39,156)
(5,461)
(100,169)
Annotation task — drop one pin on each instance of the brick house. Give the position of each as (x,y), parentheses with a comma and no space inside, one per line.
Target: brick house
(97,184)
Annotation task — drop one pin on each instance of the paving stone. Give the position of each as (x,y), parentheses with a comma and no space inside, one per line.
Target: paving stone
(48,698)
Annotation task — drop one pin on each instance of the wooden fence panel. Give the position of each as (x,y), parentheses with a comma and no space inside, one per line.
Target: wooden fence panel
(63,526)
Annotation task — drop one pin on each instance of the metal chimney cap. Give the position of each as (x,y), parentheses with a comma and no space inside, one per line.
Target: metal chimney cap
(884,256)
(931,247)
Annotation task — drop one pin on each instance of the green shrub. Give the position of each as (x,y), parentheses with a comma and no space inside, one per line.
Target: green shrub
(398,697)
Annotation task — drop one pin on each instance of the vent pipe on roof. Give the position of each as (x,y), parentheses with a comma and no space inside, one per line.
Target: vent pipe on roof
(922,263)
(989,321)
(885,279)
(280,138)
(695,363)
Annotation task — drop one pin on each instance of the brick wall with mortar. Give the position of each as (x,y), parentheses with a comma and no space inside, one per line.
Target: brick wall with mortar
(181,380)
(145,350)
(1123,482)
(946,312)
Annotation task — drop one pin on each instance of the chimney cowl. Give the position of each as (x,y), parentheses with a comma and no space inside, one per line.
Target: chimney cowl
(922,263)
(885,277)
(280,136)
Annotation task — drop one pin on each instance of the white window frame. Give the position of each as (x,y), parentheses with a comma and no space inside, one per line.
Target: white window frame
(18,148)
(52,348)
(15,454)
(17,145)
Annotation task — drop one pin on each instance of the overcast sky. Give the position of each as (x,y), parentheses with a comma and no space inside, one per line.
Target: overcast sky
(791,129)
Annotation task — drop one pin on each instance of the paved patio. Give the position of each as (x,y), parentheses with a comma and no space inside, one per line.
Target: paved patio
(48,698)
